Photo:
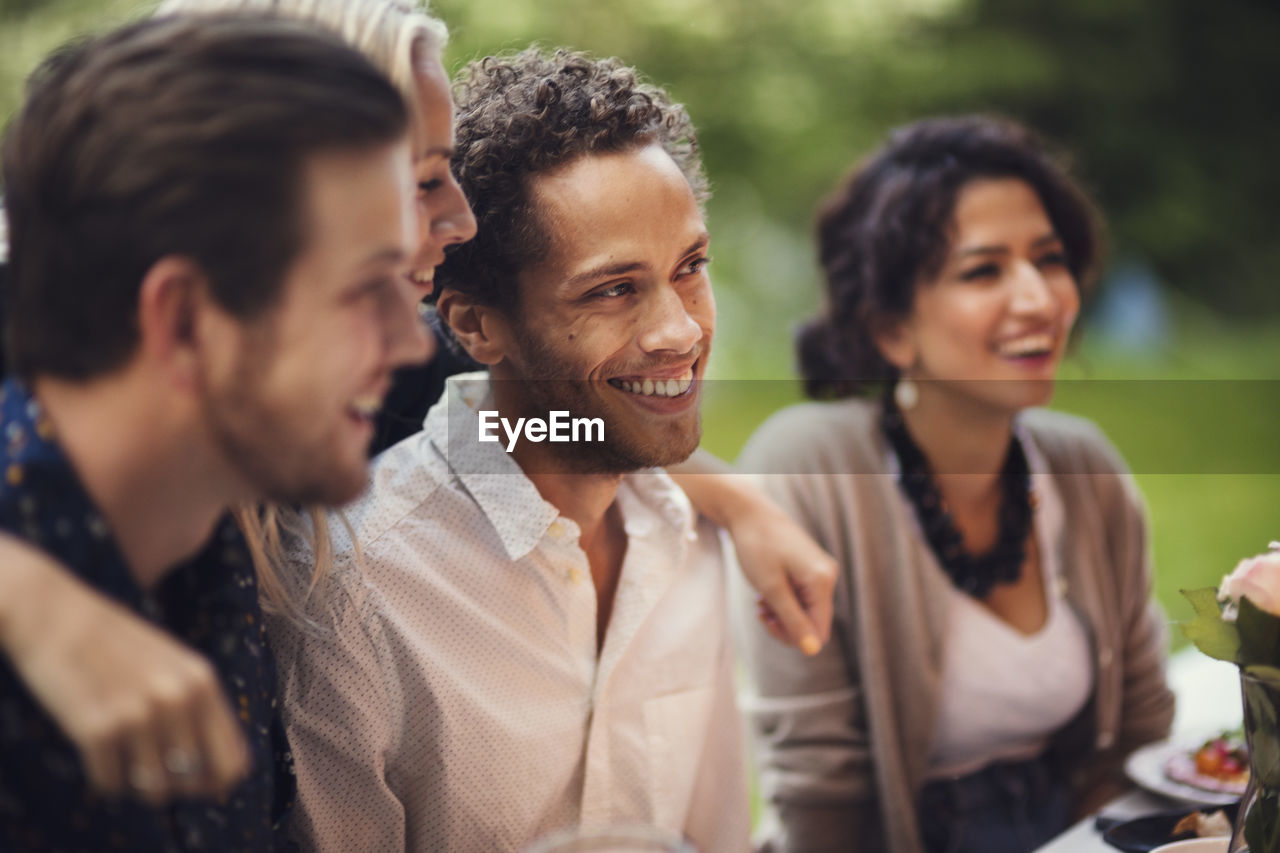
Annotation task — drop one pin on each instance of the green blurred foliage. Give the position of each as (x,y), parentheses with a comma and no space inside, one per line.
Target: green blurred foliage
(1168,105)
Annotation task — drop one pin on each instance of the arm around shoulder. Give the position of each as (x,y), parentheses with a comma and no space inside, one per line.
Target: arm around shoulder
(125,692)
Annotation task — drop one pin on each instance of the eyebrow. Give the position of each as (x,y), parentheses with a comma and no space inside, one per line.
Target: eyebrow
(388,255)
(610,270)
(438,151)
(1046,240)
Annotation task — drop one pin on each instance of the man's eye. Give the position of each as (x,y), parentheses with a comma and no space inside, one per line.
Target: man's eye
(1053,259)
(695,266)
(980,273)
(622,288)
(372,289)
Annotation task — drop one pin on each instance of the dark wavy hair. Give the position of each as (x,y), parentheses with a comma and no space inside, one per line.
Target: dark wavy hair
(526,114)
(887,228)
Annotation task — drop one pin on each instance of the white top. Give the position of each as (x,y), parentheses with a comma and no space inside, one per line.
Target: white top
(459,702)
(1004,693)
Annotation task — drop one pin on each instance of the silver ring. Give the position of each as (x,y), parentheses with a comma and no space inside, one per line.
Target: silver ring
(179,762)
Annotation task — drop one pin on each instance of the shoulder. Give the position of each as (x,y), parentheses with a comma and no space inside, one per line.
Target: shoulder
(343,611)
(815,436)
(1072,444)
(405,481)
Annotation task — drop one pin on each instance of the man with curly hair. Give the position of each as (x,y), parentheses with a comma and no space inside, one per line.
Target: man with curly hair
(534,634)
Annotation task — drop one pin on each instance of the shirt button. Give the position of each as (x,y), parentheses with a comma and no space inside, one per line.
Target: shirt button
(1061,586)
(1106,740)
(556,529)
(1105,657)
(575,576)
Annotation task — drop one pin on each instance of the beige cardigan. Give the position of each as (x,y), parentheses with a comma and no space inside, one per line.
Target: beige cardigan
(843,738)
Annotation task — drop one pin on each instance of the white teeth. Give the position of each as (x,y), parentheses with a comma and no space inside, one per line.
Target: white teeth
(1027,346)
(367,406)
(420,277)
(655,387)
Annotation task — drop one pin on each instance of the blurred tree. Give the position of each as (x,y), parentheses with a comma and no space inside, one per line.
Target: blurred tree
(1170,107)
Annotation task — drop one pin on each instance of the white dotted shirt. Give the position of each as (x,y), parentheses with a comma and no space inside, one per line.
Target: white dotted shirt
(455,700)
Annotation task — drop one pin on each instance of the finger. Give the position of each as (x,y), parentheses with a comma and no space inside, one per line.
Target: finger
(771,623)
(103,759)
(183,756)
(224,750)
(817,597)
(799,631)
(144,766)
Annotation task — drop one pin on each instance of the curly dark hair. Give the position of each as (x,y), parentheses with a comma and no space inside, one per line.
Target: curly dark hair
(526,114)
(886,228)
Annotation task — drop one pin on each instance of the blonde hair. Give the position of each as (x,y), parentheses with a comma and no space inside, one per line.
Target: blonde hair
(398,37)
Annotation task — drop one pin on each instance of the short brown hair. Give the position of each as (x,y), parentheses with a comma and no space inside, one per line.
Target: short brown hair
(173,136)
(522,115)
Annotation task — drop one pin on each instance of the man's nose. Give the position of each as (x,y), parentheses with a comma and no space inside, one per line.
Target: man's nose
(669,326)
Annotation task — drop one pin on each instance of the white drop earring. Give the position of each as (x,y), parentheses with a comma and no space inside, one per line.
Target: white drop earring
(905,394)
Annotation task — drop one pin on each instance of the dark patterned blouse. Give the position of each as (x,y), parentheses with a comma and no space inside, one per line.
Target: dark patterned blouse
(210,603)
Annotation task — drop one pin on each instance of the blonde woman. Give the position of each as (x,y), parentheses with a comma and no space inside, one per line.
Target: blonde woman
(121,689)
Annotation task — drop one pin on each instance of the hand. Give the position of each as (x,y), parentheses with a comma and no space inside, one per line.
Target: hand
(147,714)
(795,578)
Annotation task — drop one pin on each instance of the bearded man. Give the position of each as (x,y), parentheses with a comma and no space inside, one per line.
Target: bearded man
(518,642)
(208,220)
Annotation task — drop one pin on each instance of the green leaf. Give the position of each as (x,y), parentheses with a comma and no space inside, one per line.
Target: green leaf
(1264,672)
(1213,636)
(1262,826)
(1261,709)
(1259,633)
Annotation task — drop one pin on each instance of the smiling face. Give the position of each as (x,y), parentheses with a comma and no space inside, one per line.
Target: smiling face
(994,323)
(619,315)
(443,214)
(291,399)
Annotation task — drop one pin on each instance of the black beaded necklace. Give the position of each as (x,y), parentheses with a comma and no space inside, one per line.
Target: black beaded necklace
(973,574)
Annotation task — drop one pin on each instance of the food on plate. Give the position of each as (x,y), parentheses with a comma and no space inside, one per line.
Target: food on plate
(1221,764)
(1204,825)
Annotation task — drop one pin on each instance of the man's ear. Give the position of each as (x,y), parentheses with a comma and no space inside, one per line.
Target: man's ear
(483,331)
(895,342)
(174,292)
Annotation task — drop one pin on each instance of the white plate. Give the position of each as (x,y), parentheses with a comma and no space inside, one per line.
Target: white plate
(1145,767)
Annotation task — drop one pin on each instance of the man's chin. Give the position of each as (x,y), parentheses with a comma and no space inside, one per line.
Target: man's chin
(336,490)
(624,456)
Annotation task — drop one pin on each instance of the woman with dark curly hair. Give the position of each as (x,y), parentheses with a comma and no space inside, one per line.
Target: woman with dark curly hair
(995,651)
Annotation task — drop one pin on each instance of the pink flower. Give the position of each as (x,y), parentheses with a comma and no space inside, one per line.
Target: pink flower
(1257,579)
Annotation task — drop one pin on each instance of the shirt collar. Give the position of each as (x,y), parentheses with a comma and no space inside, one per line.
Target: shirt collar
(509,499)
(58,514)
